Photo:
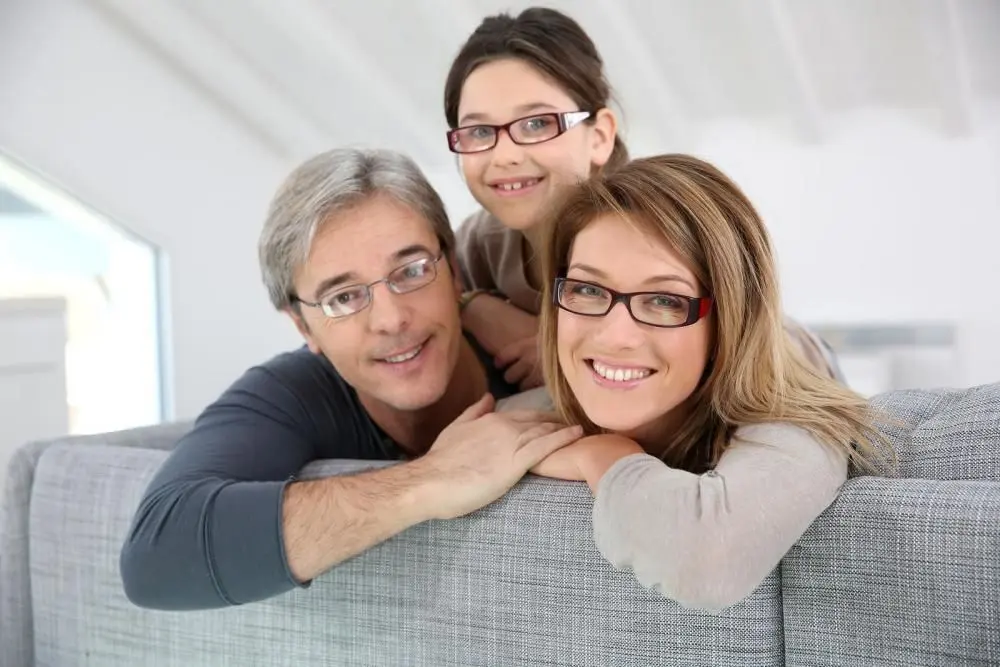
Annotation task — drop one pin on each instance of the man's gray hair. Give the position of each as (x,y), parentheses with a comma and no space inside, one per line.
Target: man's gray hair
(330,183)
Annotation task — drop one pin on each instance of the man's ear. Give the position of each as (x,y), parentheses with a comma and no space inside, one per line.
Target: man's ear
(604,129)
(455,273)
(303,328)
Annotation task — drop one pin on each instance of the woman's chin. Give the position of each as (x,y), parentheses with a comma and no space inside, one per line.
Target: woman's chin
(615,423)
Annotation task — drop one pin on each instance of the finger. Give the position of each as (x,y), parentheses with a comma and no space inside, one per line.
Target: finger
(534,451)
(518,371)
(523,415)
(533,380)
(536,431)
(509,353)
(484,405)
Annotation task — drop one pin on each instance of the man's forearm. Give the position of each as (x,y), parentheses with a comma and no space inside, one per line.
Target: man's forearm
(327,521)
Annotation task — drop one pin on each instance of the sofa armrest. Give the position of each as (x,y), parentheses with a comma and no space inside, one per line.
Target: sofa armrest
(897,572)
(16,639)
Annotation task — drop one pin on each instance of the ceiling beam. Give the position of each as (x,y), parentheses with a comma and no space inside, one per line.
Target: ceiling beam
(791,65)
(203,61)
(334,48)
(671,129)
(945,42)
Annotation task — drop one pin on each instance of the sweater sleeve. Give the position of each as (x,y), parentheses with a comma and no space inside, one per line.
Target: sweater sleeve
(208,531)
(707,541)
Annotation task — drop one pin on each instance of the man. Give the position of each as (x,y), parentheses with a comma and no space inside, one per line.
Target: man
(358,251)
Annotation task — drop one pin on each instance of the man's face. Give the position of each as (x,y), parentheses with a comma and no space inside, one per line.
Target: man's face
(401,349)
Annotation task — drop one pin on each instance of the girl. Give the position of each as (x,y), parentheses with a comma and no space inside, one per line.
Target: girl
(527,102)
(713,443)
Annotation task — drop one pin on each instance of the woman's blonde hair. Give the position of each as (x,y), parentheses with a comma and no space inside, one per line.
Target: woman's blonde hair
(755,373)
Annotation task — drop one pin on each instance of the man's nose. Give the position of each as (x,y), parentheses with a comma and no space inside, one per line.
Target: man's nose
(386,312)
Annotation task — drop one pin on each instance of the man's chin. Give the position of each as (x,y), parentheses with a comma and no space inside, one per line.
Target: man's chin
(411,398)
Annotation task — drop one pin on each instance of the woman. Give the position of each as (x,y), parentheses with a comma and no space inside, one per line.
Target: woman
(527,102)
(713,443)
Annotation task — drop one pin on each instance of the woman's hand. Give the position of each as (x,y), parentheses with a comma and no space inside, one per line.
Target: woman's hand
(587,459)
(561,464)
(600,452)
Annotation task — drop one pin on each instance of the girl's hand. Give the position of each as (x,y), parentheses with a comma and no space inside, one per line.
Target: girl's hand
(521,359)
(496,324)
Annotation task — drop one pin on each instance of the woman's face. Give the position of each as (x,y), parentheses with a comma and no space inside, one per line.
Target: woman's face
(516,182)
(628,377)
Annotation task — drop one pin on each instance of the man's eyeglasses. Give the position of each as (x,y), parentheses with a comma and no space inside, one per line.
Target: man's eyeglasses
(524,131)
(657,309)
(354,298)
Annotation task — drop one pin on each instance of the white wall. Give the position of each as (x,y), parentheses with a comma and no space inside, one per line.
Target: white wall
(93,112)
(104,119)
(884,222)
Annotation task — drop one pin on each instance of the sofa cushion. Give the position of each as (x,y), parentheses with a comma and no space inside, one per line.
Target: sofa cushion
(897,572)
(945,433)
(518,583)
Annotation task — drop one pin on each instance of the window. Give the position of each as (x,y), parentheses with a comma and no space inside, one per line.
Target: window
(52,245)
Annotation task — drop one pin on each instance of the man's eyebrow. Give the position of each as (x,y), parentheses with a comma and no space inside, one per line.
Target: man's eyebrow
(668,278)
(519,112)
(350,277)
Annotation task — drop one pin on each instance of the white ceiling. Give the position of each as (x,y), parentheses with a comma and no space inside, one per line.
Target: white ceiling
(304,75)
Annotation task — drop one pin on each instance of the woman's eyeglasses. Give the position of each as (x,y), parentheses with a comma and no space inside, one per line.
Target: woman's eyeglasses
(657,309)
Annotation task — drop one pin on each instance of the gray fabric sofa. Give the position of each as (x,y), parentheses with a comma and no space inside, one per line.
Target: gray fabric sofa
(896,572)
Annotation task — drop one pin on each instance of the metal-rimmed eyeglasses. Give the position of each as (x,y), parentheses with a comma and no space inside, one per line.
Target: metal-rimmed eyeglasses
(533,129)
(657,309)
(353,299)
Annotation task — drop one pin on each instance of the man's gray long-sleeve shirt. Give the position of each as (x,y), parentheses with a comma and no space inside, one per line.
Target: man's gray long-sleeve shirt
(208,531)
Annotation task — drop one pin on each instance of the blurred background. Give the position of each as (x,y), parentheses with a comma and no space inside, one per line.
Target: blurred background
(140,142)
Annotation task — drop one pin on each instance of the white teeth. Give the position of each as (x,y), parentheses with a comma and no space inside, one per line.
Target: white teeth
(620,374)
(400,358)
(508,187)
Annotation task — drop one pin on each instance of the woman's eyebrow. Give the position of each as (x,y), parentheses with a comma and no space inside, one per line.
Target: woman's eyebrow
(666,278)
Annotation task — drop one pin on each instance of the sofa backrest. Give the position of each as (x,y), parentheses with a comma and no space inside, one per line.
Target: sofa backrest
(896,571)
(518,583)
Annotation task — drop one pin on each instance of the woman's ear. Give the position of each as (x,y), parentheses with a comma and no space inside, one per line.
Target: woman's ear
(603,131)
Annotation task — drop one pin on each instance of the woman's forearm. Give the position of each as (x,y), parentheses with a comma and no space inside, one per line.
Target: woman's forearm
(707,541)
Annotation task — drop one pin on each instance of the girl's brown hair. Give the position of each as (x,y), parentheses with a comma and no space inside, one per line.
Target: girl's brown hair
(551,42)
(756,373)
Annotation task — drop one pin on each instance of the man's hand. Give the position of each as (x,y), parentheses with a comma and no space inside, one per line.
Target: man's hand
(495,323)
(587,459)
(521,360)
(482,454)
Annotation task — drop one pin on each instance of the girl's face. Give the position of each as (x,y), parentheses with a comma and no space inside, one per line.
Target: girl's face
(517,182)
(628,376)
